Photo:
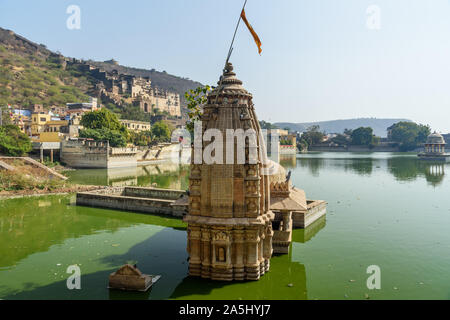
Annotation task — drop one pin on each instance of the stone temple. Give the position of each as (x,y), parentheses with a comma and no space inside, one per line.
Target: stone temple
(230,218)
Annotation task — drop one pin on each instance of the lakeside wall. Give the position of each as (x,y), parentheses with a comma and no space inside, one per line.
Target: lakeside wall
(353,148)
(87,154)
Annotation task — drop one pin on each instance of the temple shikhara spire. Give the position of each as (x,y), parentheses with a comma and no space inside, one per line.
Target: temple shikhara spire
(229,219)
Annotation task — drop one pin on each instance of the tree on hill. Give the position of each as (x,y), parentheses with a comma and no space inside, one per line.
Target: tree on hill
(364,136)
(14,142)
(103,125)
(409,135)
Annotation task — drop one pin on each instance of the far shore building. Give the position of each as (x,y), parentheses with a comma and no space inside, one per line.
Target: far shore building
(78,109)
(136,126)
(435,149)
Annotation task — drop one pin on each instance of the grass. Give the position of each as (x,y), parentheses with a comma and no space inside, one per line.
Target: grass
(15,181)
(27,177)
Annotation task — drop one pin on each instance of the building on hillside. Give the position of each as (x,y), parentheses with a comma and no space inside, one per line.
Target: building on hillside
(134,125)
(37,108)
(55,125)
(22,119)
(82,106)
(38,121)
(59,111)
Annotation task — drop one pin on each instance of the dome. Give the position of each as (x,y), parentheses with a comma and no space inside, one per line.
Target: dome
(435,138)
(277,171)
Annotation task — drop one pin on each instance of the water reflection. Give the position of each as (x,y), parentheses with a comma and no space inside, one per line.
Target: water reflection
(26,228)
(408,169)
(164,175)
(304,235)
(403,168)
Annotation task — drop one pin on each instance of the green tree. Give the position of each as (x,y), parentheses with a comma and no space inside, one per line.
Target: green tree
(409,135)
(102,118)
(115,138)
(312,136)
(141,138)
(103,125)
(363,136)
(341,139)
(13,142)
(161,132)
(267,125)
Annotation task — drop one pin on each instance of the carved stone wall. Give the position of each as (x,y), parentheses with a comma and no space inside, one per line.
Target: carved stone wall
(229,221)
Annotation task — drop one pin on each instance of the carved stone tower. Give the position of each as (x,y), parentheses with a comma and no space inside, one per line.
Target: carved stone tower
(229,220)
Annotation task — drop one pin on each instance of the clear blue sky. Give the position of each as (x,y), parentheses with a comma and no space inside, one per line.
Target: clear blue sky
(319,60)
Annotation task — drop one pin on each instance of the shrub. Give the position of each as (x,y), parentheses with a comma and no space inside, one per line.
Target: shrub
(13,142)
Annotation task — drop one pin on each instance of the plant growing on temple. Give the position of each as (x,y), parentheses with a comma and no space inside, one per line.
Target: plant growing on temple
(409,135)
(195,100)
(14,142)
(103,125)
(267,125)
(161,132)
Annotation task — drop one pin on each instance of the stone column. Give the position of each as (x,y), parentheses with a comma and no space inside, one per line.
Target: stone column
(239,270)
(41,150)
(252,271)
(206,253)
(194,238)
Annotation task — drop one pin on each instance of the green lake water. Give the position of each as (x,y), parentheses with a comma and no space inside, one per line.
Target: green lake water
(389,210)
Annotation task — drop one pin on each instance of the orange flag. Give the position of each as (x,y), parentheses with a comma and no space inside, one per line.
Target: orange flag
(250,28)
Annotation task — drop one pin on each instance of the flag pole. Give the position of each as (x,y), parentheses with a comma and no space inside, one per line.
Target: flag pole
(229,52)
(234,35)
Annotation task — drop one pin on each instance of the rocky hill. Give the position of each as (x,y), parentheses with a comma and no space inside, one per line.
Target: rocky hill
(30,73)
(379,126)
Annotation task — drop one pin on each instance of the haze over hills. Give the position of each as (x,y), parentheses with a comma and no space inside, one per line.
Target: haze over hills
(379,126)
(30,73)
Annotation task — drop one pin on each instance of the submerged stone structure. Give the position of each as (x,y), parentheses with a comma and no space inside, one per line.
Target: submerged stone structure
(229,218)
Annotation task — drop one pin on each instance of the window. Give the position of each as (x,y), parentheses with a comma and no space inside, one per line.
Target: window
(222,256)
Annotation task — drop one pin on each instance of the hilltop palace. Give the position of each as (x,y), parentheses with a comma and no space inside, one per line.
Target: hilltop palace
(119,88)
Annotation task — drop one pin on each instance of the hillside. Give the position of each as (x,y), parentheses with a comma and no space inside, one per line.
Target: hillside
(30,73)
(379,126)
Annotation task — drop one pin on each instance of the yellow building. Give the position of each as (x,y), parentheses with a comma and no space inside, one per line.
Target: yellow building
(38,121)
(55,125)
(136,125)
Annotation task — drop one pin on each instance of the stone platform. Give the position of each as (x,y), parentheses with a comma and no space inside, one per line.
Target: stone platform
(144,200)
